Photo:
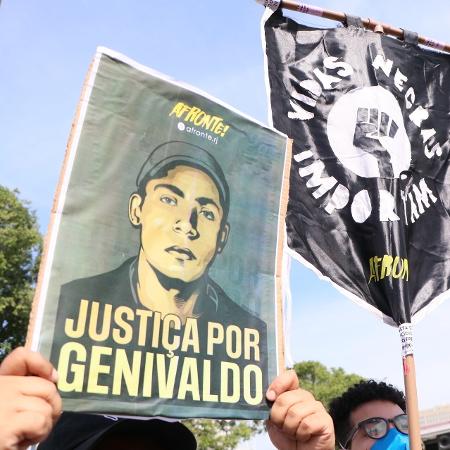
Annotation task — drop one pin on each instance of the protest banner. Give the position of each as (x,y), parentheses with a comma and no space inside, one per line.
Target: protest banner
(159,291)
(369,197)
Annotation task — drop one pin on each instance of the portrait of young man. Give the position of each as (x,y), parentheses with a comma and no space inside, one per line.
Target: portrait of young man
(160,289)
(180,209)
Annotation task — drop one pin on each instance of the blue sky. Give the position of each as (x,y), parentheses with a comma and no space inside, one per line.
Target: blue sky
(46,48)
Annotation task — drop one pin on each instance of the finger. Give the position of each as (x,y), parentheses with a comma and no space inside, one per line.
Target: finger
(43,389)
(316,428)
(362,115)
(286,381)
(24,362)
(31,426)
(317,443)
(287,400)
(278,438)
(33,404)
(384,122)
(297,419)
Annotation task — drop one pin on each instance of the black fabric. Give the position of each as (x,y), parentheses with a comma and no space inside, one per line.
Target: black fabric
(369,119)
(76,431)
(410,37)
(353,21)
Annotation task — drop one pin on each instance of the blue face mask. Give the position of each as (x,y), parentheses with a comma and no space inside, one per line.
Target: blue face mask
(394,440)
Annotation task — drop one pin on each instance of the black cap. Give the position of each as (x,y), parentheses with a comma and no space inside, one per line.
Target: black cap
(173,153)
(78,431)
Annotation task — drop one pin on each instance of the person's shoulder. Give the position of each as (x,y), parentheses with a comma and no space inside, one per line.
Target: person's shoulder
(103,281)
(234,312)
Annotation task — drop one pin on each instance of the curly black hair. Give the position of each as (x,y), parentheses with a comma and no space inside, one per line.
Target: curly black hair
(365,391)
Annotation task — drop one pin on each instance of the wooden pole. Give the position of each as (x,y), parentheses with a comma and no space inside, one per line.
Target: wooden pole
(409,375)
(279,267)
(370,24)
(412,406)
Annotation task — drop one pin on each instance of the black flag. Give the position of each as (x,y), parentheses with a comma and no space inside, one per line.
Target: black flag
(369,198)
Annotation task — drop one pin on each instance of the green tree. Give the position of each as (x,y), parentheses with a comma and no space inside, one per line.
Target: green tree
(325,384)
(20,249)
(222,434)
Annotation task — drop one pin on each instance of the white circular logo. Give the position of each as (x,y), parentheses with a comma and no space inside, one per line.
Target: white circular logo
(367,134)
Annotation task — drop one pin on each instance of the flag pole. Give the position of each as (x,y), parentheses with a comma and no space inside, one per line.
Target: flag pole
(409,375)
(368,23)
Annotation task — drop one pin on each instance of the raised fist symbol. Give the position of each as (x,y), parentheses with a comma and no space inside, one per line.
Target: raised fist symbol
(374,133)
(367,134)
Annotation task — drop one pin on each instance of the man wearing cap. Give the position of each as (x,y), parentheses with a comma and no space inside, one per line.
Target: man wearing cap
(180,208)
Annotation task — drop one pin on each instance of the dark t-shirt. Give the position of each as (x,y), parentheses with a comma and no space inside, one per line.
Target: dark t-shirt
(207,359)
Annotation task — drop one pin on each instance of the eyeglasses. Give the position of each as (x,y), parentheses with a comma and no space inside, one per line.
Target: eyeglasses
(378,427)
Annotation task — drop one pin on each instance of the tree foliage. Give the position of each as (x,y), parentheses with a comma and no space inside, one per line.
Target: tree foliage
(20,249)
(325,384)
(222,434)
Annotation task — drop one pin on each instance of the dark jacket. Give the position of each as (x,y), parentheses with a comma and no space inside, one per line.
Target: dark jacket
(217,314)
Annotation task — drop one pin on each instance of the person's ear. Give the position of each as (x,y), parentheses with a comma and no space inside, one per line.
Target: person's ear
(134,209)
(223,237)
